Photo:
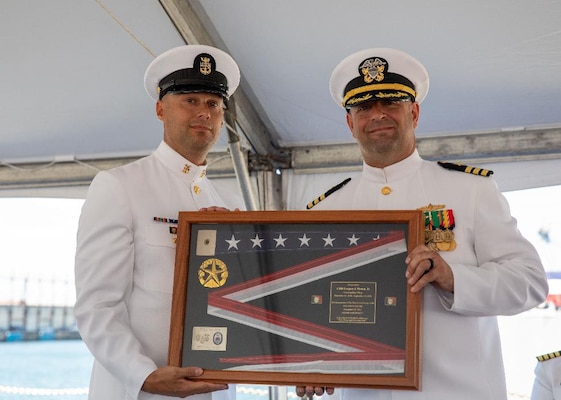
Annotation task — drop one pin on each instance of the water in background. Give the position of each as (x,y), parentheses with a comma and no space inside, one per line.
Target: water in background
(46,370)
(60,369)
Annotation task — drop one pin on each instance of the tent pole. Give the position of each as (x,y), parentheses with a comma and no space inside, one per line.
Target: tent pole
(238,159)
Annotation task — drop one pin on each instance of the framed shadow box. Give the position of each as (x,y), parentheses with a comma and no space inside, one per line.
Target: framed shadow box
(298,298)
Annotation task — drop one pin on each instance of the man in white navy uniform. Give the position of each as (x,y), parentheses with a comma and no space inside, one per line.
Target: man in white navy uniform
(125,244)
(475,264)
(547,381)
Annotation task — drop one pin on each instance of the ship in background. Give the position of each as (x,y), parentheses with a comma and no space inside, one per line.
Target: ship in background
(27,313)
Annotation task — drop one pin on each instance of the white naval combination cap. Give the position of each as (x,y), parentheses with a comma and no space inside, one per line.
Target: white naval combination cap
(378,74)
(192,68)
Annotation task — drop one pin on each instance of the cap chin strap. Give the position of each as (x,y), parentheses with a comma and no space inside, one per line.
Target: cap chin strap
(405,91)
(192,86)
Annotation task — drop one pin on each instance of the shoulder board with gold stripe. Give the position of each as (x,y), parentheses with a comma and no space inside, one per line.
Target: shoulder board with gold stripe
(466,168)
(549,356)
(330,191)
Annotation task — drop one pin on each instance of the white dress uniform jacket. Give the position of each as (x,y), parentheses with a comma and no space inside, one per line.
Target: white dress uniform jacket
(496,272)
(547,383)
(125,263)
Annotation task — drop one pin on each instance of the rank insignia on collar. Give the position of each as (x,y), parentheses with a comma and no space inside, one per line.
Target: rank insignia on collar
(439,225)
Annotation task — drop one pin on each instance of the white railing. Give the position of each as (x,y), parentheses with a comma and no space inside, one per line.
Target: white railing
(42,391)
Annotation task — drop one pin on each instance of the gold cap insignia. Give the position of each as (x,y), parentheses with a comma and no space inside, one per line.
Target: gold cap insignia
(205,66)
(372,69)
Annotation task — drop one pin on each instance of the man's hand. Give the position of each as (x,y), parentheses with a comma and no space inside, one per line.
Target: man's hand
(426,266)
(215,208)
(309,391)
(175,381)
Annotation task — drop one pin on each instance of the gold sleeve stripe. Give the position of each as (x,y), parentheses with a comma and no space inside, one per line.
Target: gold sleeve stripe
(549,356)
(466,168)
(323,196)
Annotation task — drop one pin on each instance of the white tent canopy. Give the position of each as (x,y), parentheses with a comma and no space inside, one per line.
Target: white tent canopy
(73,100)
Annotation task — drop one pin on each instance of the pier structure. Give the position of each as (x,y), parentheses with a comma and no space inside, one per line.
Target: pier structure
(37,322)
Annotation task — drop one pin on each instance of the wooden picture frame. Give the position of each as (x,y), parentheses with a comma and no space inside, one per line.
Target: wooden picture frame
(298,298)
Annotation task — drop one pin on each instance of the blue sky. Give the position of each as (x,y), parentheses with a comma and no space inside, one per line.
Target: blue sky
(38,237)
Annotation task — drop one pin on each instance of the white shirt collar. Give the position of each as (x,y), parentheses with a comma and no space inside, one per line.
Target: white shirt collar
(393,172)
(177,163)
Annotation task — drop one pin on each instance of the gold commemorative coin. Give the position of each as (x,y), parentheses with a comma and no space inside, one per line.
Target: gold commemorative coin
(213,273)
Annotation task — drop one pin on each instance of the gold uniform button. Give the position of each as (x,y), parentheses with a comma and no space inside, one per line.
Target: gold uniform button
(196,189)
(386,190)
